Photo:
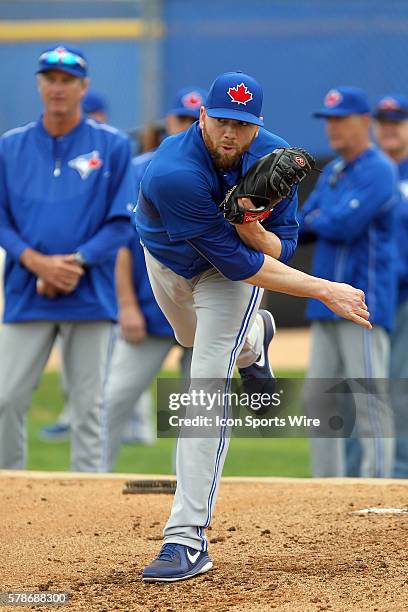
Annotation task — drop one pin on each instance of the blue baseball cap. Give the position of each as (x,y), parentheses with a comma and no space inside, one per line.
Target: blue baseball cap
(94,102)
(344,101)
(235,95)
(65,59)
(393,107)
(188,102)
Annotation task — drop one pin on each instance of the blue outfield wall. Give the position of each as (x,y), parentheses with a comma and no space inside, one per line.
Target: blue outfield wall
(20,101)
(297,49)
(114,63)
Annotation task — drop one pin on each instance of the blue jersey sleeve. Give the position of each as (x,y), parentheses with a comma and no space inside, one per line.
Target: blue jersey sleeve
(139,166)
(10,239)
(116,229)
(288,249)
(225,251)
(283,222)
(122,193)
(373,191)
(183,200)
(107,241)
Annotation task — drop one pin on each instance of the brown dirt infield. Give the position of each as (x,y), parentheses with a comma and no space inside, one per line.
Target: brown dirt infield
(277,544)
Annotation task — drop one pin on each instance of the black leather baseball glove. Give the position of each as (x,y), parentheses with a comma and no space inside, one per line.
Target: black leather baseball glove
(267,182)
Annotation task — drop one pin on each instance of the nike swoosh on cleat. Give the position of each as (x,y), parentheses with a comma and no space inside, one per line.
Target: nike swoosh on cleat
(193,558)
(261,360)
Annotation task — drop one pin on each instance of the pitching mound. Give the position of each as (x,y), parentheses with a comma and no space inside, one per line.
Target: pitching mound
(290,545)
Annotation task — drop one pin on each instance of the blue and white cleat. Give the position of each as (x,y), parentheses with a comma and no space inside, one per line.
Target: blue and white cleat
(177,562)
(259,377)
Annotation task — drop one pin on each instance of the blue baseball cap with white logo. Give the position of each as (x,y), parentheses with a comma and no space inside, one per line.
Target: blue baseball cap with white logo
(64,59)
(188,102)
(344,101)
(393,107)
(235,95)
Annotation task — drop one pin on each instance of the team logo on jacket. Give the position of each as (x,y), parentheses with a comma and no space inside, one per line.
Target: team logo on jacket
(240,94)
(404,189)
(333,98)
(85,164)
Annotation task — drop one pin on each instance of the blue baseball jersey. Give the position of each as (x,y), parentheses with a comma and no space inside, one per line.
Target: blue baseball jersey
(402,232)
(178,216)
(59,196)
(352,211)
(156,322)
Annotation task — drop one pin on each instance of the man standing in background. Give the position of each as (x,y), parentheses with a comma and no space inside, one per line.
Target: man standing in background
(352,214)
(67,191)
(95,106)
(139,428)
(391,131)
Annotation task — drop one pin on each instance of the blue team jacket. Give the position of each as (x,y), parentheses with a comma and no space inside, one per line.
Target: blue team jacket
(178,216)
(402,232)
(352,212)
(156,322)
(56,194)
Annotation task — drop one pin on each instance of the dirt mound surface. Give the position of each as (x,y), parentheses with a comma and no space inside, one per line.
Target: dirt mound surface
(276,545)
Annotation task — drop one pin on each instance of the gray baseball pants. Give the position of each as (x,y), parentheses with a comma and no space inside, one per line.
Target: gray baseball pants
(343,350)
(218,317)
(132,369)
(24,352)
(399,395)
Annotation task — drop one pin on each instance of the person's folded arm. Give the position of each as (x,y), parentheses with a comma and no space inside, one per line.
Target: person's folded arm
(349,217)
(255,236)
(309,208)
(277,234)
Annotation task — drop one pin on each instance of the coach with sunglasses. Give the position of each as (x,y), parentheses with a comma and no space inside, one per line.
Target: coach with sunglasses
(65,194)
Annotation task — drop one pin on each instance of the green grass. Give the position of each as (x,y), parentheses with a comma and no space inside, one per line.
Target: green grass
(246,456)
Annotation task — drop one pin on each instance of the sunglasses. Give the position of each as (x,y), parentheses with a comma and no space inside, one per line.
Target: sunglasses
(62,56)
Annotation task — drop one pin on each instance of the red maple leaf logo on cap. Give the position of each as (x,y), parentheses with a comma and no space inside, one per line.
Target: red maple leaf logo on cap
(333,97)
(388,104)
(240,94)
